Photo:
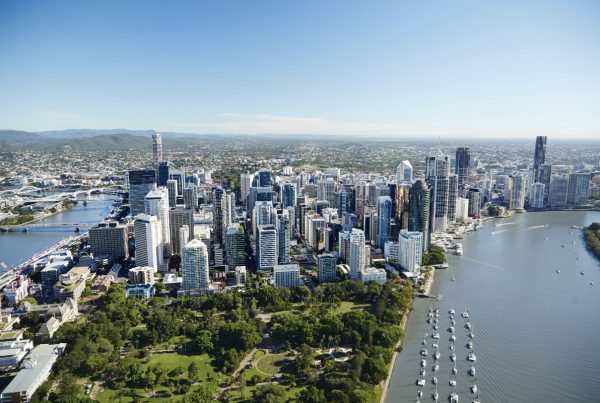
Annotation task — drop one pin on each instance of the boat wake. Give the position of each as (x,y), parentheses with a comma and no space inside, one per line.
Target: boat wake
(504,223)
(537,227)
(499,231)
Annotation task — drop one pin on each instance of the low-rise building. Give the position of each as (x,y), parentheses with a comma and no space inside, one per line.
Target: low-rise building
(12,352)
(286,275)
(35,369)
(373,274)
(17,291)
(141,291)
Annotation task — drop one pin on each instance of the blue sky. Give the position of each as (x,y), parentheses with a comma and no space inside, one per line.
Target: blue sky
(387,68)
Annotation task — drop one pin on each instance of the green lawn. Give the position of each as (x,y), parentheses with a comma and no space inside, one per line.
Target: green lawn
(346,306)
(274,363)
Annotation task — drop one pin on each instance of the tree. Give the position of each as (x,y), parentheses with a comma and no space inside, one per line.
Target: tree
(304,361)
(312,394)
(204,341)
(193,372)
(374,370)
(271,393)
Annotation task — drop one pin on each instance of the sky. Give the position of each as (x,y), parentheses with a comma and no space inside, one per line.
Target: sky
(399,69)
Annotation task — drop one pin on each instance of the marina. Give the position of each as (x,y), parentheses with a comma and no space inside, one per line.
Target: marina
(527,321)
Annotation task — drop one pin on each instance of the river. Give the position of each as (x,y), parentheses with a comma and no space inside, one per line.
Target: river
(16,247)
(536,331)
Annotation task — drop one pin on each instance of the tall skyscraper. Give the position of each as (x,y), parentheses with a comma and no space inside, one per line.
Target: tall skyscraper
(404,173)
(463,163)
(437,175)
(109,238)
(578,190)
(219,215)
(288,195)
(559,186)
(537,195)
(411,249)
(157,149)
(264,178)
(384,216)
(157,204)
(148,249)
(141,181)
(245,185)
(178,217)
(474,196)
(172,188)
(540,151)
(194,266)
(452,196)
(283,243)
(326,191)
(163,173)
(357,260)
(419,209)
(266,247)
(190,196)
(544,175)
(235,246)
(518,190)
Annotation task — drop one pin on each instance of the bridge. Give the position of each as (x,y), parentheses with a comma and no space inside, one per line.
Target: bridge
(21,227)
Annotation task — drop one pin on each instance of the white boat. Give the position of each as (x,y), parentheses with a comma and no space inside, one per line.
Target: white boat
(453,357)
(453,322)
(471,371)
(451,346)
(558,271)
(452,278)
(428,320)
(419,393)
(474,389)
(471,335)
(452,338)
(434,380)
(435,395)
(452,312)
(582,272)
(435,327)
(436,356)
(435,335)
(436,367)
(452,383)
(465,314)
(470,345)
(468,325)
(421,382)
(434,345)
(453,398)
(472,357)
(423,363)
(451,329)
(423,372)
(454,371)
(423,352)
(424,343)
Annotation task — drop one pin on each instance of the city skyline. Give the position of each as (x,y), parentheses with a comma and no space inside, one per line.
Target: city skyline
(391,70)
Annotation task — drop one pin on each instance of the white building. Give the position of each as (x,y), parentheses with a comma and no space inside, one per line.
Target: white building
(240,275)
(357,260)
(266,247)
(286,275)
(537,195)
(194,266)
(517,192)
(148,249)
(141,275)
(373,274)
(156,203)
(411,249)
(462,209)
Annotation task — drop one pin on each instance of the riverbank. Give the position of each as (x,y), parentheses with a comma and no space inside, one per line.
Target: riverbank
(591,234)
(398,345)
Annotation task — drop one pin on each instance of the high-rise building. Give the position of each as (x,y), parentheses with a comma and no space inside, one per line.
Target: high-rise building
(518,190)
(178,217)
(411,249)
(474,196)
(264,178)
(180,178)
(163,173)
(288,195)
(358,258)
(452,196)
(419,209)
(109,238)
(463,164)
(326,265)
(141,275)
(157,149)
(539,157)
(184,237)
(245,185)
(437,174)
(537,195)
(190,197)
(384,217)
(141,181)
(194,266)
(326,191)
(577,193)
(259,194)
(266,247)
(219,224)
(462,209)
(172,189)
(262,214)
(404,173)
(157,204)
(283,243)
(286,275)
(559,186)
(148,249)
(235,246)
(544,175)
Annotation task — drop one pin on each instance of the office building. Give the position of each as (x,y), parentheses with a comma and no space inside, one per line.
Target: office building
(474,196)
(245,185)
(235,246)
(180,178)
(172,189)
(411,249)
(286,275)
(462,209)
(384,217)
(358,258)
(452,196)
(141,181)
(258,194)
(141,275)
(264,178)
(559,186)
(578,190)
(266,247)
(288,195)
(148,249)
(462,167)
(283,243)
(404,173)
(190,197)
(537,195)
(156,203)
(157,148)
(544,175)
(194,266)
(184,237)
(163,173)
(219,223)
(109,238)
(539,157)
(179,217)
(326,266)
(437,174)
(419,209)
(326,191)
(518,190)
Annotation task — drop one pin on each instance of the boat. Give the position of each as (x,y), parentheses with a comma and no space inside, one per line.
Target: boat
(435,327)
(557,271)
(470,345)
(453,278)
(465,314)
(434,345)
(424,342)
(423,372)
(85,203)
(451,329)
(428,320)
(454,371)
(453,398)
(419,393)
(453,338)
(582,272)
(471,335)
(452,383)
(435,335)
(423,352)
(591,283)
(434,380)
(471,371)
(451,346)
(453,322)
(452,312)
(472,357)
(453,357)
(562,246)
(436,356)
(420,382)
(436,367)
(468,325)
(423,363)
(474,389)
(435,395)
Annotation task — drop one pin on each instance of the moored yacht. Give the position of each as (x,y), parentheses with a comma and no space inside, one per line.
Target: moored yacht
(420,382)
(423,352)
(435,335)
(436,356)
(474,389)
(434,380)
(436,367)
(471,371)
(451,329)
(452,312)
(423,363)
(453,398)
(453,357)
(452,338)
(465,314)
(454,371)
(452,383)
(471,357)
(470,345)
(468,325)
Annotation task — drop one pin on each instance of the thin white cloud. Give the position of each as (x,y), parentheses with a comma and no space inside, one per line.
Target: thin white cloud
(275,124)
